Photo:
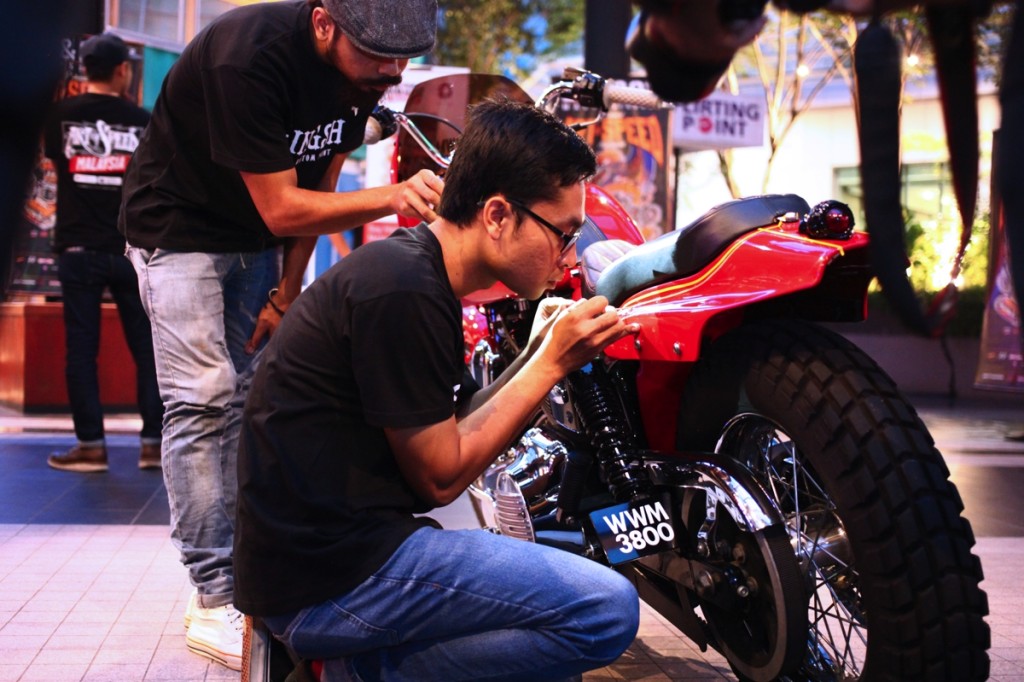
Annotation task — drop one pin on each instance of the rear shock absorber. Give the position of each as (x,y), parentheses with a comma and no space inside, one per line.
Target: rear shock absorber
(574,481)
(610,436)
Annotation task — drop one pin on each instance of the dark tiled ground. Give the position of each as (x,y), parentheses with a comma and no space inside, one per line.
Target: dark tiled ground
(34,493)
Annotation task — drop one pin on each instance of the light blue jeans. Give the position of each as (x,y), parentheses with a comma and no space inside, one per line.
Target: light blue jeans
(202,308)
(469,605)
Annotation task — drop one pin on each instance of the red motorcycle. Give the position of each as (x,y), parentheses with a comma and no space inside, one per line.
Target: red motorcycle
(760,479)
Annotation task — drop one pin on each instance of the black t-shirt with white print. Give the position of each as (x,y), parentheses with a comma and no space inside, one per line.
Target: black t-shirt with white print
(90,139)
(374,342)
(249,93)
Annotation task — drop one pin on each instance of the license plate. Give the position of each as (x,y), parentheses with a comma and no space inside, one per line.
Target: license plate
(635,529)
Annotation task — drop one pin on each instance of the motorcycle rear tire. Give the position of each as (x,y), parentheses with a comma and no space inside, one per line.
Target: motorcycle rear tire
(913,579)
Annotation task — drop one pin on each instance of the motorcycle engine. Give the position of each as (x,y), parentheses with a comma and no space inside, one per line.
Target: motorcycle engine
(533,465)
(523,481)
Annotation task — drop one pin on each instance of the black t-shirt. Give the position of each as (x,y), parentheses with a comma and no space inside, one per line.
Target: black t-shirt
(249,93)
(90,139)
(375,341)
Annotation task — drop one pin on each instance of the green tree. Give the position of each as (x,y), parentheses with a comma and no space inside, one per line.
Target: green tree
(503,36)
(823,44)
(795,56)
(993,34)
(793,59)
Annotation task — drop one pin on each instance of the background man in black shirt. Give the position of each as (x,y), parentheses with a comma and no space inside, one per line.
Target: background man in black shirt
(90,139)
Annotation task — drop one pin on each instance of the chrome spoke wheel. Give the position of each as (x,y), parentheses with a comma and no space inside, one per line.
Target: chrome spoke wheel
(874,522)
(837,621)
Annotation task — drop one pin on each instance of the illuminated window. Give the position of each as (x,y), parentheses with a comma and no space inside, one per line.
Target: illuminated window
(926,191)
(173,22)
(161,19)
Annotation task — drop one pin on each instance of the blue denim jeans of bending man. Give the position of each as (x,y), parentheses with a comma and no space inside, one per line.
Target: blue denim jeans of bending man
(469,605)
(83,276)
(203,309)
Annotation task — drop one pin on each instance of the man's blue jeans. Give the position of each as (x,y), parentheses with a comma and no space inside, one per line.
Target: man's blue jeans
(84,274)
(203,309)
(469,605)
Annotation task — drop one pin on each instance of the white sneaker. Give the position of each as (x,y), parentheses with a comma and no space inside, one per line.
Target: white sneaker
(193,599)
(217,634)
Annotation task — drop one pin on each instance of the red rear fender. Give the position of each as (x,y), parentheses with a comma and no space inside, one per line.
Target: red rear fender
(766,265)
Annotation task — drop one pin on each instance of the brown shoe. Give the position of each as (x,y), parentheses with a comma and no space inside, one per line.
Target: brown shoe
(81,458)
(149,456)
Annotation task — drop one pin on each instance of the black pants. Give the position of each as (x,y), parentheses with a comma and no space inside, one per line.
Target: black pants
(83,277)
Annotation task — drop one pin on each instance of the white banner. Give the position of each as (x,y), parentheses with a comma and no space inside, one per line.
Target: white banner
(719,121)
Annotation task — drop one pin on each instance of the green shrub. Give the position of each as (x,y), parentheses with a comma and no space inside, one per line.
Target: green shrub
(970,311)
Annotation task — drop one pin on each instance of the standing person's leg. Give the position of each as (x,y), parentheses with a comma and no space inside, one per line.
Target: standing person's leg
(217,631)
(196,312)
(124,286)
(183,296)
(82,286)
(469,605)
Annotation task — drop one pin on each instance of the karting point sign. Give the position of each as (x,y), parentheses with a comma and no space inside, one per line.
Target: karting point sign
(719,121)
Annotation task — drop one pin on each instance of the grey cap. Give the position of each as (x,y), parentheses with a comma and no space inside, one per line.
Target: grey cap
(392,29)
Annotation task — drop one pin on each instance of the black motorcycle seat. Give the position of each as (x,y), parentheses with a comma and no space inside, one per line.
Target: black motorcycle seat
(680,253)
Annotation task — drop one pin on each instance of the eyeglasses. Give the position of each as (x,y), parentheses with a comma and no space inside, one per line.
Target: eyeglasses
(567,238)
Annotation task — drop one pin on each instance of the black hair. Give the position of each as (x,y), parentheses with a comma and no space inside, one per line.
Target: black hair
(516,150)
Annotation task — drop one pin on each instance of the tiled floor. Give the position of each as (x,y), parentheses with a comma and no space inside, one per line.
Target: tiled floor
(94,602)
(91,588)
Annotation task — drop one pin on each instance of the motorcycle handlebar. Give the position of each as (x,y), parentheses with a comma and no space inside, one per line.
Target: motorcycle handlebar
(384,122)
(587,88)
(592,90)
(621,94)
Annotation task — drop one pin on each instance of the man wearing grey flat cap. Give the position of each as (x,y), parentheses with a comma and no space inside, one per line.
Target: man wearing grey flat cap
(236,174)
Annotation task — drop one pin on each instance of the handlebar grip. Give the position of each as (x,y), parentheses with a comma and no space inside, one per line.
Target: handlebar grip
(382,122)
(374,132)
(639,97)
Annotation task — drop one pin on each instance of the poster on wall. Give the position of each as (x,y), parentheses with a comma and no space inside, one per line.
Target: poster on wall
(34,265)
(1001,361)
(633,157)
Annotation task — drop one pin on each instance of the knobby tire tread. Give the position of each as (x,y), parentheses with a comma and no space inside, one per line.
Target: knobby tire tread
(889,482)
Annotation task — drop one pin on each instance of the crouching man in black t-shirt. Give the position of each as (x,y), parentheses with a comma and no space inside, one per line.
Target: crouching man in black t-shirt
(355,422)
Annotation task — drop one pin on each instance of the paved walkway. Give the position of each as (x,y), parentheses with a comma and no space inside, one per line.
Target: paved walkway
(91,588)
